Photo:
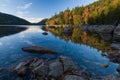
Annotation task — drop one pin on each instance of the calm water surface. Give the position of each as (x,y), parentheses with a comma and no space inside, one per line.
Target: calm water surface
(13,38)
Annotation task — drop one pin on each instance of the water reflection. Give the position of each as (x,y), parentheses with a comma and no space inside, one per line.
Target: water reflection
(79,46)
(9,30)
(81,37)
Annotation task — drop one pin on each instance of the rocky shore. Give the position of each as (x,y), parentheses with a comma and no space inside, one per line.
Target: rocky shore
(63,68)
(108,33)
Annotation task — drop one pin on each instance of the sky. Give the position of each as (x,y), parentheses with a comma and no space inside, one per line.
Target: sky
(36,10)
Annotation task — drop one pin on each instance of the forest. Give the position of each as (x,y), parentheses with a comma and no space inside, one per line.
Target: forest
(99,12)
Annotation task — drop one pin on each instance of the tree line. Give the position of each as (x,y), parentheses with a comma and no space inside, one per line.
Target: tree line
(99,12)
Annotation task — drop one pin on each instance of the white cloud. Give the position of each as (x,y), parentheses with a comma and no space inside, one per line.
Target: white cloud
(25,6)
(34,20)
(23,10)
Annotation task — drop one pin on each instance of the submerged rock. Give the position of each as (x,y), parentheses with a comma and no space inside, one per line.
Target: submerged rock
(46,70)
(38,49)
(105,65)
(45,33)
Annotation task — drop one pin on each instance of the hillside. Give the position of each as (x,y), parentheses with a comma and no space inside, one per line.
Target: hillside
(99,12)
(42,22)
(6,19)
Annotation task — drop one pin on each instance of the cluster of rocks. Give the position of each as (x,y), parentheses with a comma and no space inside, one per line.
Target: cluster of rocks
(114,57)
(106,32)
(62,68)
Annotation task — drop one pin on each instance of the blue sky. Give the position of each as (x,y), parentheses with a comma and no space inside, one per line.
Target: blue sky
(35,10)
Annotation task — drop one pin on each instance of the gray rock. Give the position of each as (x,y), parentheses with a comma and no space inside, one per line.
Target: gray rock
(115,46)
(118,68)
(117,33)
(55,68)
(114,57)
(35,64)
(41,70)
(68,64)
(73,77)
(22,67)
(106,29)
(38,49)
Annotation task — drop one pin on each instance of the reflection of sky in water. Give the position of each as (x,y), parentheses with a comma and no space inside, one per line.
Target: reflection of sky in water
(88,58)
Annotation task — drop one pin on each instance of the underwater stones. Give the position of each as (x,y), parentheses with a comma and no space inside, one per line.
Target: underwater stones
(105,65)
(38,49)
(46,70)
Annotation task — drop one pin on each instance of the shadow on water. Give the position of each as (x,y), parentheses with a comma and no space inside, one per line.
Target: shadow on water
(9,30)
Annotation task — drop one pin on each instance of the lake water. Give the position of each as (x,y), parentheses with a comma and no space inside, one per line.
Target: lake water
(13,38)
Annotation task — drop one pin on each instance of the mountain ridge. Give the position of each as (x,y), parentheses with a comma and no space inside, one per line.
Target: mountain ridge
(8,19)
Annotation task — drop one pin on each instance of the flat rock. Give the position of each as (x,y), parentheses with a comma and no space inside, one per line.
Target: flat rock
(38,49)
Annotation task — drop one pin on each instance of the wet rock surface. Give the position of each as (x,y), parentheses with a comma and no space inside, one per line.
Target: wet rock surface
(115,46)
(62,68)
(117,33)
(38,49)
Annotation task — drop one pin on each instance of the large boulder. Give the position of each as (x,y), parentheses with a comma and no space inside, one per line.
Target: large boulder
(38,49)
(106,29)
(55,69)
(116,34)
(61,65)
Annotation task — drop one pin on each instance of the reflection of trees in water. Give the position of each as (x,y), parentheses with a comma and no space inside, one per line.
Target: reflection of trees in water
(8,30)
(82,37)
